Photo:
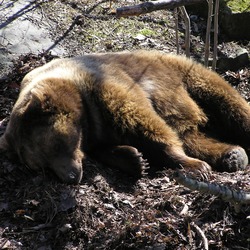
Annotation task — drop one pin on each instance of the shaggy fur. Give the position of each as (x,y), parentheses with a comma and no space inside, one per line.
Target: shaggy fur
(114,106)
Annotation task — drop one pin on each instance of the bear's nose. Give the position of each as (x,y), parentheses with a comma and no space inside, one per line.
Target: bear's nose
(74,177)
(68,170)
(72,173)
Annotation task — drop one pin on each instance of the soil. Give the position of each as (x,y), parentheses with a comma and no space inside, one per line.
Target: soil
(109,210)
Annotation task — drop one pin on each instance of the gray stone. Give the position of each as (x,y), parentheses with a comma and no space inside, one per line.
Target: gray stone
(235,18)
(232,59)
(22,31)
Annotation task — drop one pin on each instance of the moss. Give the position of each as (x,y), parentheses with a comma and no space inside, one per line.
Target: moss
(238,6)
(147,32)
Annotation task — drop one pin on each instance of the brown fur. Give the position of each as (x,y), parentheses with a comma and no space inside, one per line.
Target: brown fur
(114,106)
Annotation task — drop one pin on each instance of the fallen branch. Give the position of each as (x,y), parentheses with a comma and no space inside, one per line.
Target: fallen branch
(148,7)
(226,193)
(202,235)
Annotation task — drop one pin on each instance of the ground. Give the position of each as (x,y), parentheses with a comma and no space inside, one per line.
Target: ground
(109,210)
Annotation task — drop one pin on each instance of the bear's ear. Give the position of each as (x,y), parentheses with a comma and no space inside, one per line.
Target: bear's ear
(38,96)
(31,103)
(41,101)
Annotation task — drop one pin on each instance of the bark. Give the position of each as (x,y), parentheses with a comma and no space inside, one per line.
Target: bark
(153,6)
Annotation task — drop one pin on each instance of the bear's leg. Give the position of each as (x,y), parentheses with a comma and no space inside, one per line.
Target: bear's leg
(228,112)
(221,156)
(132,114)
(126,158)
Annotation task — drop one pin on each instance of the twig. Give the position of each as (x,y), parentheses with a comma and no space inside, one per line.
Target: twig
(3,244)
(176,31)
(201,233)
(152,6)
(187,30)
(216,15)
(189,234)
(209,20)
(37,228)
(53,210)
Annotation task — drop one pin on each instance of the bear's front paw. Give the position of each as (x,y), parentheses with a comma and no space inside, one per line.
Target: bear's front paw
(196,165)
(130,160)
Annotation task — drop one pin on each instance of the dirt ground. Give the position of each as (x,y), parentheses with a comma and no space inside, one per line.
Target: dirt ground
(109,210)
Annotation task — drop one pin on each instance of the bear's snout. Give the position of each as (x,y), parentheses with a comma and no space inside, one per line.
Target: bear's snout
(68,170)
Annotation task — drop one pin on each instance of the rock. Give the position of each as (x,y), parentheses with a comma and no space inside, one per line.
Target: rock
(140,37)
(232,57)
(235,18)
(19,34)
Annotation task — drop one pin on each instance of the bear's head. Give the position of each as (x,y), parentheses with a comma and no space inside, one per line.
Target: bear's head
(45,129)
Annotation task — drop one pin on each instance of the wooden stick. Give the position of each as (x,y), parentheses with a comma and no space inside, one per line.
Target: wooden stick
(226,193)
(187,30)
(201,233)
(209,20)
(176,31)
(153,6)
(216,16)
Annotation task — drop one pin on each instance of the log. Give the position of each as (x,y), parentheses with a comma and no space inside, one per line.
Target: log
(148,7)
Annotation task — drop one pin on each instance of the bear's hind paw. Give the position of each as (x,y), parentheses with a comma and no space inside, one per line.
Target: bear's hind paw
(234,160)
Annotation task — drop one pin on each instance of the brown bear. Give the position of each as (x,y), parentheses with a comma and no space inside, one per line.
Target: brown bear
(117,107)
